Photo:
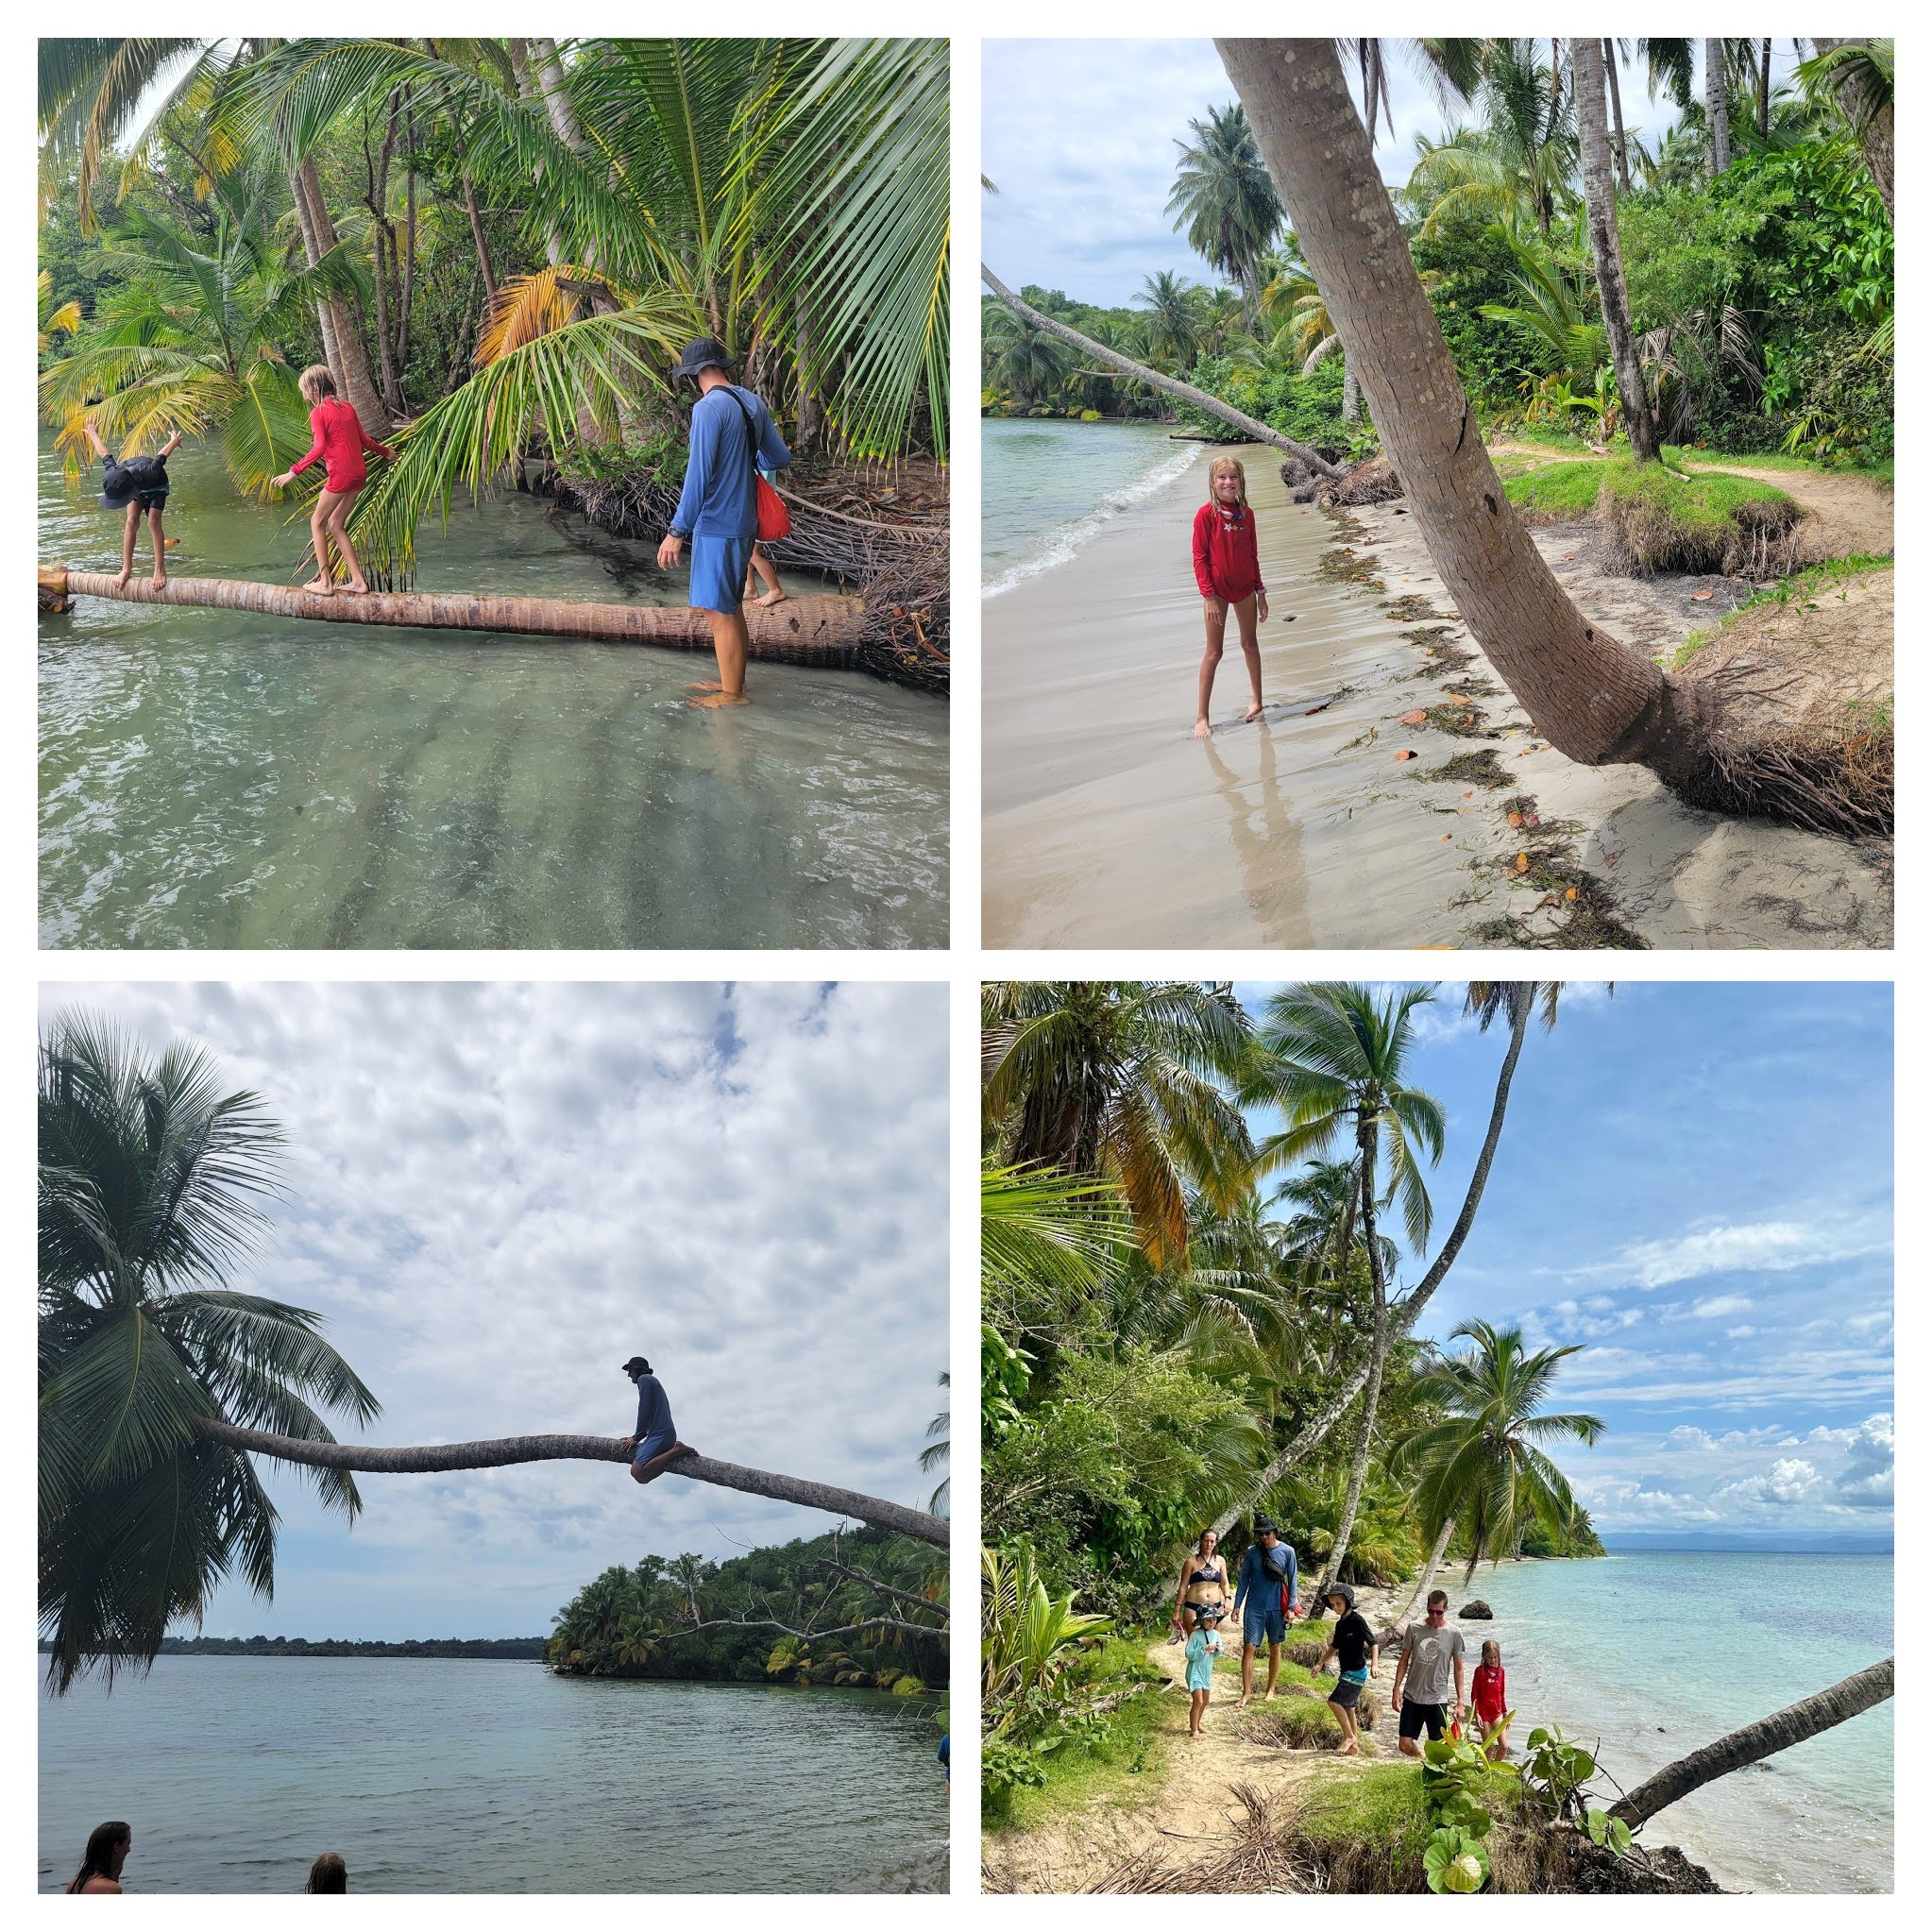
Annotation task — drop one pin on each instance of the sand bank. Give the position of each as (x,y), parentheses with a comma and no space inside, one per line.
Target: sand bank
(1107,824)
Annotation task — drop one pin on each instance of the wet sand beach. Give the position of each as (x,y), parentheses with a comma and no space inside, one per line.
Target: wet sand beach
(1107,824)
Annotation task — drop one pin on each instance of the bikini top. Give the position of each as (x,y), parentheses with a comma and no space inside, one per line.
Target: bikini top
(1218,1574)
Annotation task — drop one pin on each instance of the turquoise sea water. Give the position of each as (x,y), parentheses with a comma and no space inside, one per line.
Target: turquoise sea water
(462,1775)
(212,778)
(1047,487)
(1645,1656)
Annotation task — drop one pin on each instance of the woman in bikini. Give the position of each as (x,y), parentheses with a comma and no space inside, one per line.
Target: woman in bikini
(1203,1582)
(340,440)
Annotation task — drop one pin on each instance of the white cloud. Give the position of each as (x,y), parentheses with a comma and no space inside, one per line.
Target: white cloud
(1740,1248)
(1712,1306)
(1790,1480)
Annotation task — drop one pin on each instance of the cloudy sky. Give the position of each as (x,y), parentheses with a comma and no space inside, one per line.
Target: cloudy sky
(497,1194)
(1694,1183)
(1079,136)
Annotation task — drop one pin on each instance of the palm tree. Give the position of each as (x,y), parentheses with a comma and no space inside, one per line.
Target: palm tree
(1717,106)
(938,1449)
(1333,1059)
(1481,1463)
(1045,1237)
(1599,200)
(151,1179)
(1119,1078)
(1858,75)
(1598,701)
(1521,158)
(1025,359)
(157,1383)
(1792,1725)
(1173,323)
(1222,195)
(61,320)
(1112,360)
(1486,1001)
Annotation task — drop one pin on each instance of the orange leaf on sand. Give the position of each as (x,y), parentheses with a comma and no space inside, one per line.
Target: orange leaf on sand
(1445,837)
(1700,596)
(1522,861)
(1469,794)
(1401,756)
(1516,817)
(1571,893)
(1413,717)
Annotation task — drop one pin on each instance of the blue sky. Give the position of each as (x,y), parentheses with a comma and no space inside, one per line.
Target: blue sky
(1079,138)
(1695,1182)
(499,1193)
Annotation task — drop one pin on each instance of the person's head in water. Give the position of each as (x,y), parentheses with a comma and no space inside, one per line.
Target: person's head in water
(315,384)
(1438,1607)
(636,1366)
(108,1846)
(1226,482)
(328,1873)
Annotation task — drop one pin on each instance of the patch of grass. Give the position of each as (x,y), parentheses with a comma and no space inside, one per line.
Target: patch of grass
(1132,1749)
(1294,1723)
(1560,493)
(1879,473)
(1796,589)
(1547,437)
(1365,1831)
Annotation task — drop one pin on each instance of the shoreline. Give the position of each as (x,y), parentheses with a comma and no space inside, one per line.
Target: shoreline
(1105,822)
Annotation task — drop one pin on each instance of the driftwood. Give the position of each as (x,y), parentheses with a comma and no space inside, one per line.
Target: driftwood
(821,631)
(434,1458)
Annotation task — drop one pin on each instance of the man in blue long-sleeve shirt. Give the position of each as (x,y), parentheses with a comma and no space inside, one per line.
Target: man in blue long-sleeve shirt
(656,1440)
(1262,1590)
(733,437)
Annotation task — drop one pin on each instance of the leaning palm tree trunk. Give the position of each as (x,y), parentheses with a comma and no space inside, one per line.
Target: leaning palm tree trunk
(1778,1732)
(826,631)
(588,1448)
(1404,1318)
(1259,432)
(1422,1583)
(1595,699)
(1717,105)
(1379,1348)
(1599,200)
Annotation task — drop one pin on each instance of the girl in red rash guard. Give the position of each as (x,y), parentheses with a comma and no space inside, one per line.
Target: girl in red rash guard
(1228,567)
(340,441)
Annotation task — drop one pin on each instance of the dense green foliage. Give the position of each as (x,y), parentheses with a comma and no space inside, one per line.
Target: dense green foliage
(781,1614)
(1761,296)
(1134,1387)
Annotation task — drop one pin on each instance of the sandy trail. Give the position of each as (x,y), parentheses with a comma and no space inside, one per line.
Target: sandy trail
(1182,1801)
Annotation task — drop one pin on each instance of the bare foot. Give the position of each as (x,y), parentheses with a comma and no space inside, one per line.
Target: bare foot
(713,700)
(1202,728)
(1253,712)
(121,582)
(159,580)
(322,586)
(359,586)
(705,684)
(1268,1697)
(773,597)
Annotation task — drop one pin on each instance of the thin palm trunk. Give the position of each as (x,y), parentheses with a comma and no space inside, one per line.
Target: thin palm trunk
(1764,90)
(823,630)
(1598,701)
(1717,107)
(1778,1732)
(1316,1430)
(483,248)
(1423,1582)
(324,312)
(584,1448)
(355,382)
(1600,200)
(1119,364)
(1874,128)
(1351,391)
(1621,145)
(1378,1356)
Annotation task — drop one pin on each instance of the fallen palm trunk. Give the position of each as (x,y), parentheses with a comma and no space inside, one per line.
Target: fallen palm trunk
(822,631)
(504,1451)
(1778,1732)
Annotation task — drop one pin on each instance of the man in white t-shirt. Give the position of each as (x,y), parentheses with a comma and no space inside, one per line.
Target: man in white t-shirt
(1429,1665)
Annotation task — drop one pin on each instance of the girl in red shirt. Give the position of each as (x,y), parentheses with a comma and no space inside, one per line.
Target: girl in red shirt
(340,441)
(1228,567)
(1489,1695)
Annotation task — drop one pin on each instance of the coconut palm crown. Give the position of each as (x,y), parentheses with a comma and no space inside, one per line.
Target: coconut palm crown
(151,1183)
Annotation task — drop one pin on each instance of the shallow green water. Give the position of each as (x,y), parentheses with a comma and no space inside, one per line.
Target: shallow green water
(460,1775)
(215,779)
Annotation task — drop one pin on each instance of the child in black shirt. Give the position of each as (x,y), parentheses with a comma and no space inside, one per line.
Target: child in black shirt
(1352,1645)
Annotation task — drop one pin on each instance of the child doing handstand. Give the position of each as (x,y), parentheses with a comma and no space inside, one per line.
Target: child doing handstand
(139,485)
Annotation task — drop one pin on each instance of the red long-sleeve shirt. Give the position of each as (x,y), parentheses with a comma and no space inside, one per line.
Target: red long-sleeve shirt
(1489,1692)
(340,441)
(1227,562)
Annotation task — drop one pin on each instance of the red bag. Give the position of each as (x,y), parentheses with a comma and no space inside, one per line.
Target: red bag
(775,519)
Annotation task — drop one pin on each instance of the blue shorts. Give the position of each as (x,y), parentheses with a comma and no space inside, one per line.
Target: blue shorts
(1263,1622)
(719,565)
(653,1446)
